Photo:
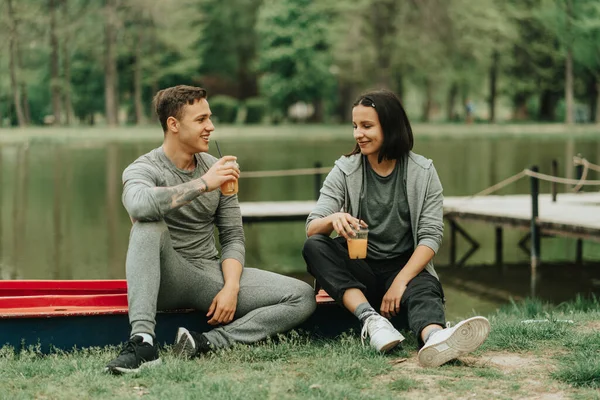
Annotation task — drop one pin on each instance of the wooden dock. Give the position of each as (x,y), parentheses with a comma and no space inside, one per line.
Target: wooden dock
(574,215)
(275,211)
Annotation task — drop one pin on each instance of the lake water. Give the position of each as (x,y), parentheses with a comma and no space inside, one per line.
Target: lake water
(61,214)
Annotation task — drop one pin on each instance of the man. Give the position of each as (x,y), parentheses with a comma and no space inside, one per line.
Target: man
(173,198)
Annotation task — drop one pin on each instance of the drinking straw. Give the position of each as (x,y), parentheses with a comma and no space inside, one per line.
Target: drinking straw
(219,150)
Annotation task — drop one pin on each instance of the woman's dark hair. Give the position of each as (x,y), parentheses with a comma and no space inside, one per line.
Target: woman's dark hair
(397,133)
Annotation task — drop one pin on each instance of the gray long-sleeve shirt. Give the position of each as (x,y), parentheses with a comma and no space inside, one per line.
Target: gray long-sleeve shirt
(342,187)
(191,226)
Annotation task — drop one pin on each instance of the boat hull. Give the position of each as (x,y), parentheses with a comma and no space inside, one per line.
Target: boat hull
(67,315)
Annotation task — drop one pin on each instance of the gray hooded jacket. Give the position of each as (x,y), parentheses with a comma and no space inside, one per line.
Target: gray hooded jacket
(342,187)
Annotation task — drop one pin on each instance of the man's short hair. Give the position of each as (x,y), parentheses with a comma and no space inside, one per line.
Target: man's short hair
(397,132)
(169,102)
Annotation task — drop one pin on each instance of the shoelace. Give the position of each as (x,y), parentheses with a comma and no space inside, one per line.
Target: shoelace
(130,347)
(376,322)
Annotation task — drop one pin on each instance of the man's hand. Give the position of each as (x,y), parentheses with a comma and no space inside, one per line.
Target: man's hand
(224,170)
(223,306)
(390,305)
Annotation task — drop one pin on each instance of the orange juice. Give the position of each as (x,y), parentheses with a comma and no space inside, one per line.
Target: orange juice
(357,248)
(229,188)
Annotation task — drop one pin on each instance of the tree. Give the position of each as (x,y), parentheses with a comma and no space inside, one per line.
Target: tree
(55,81)
(13,62)
(294,53)
(586,47)
(110,63)
(227,46)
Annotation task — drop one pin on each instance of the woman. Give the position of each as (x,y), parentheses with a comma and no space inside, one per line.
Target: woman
(397,194)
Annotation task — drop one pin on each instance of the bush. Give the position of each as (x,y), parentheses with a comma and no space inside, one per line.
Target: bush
(256,109)
(224,108)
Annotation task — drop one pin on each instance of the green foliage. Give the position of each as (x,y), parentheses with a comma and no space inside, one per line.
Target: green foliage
(224,108)
(256,108)
(296,365)
(433,53)
(514,335)
(226,45)
(581,366)
(294,52)
(581,304)
(403,384)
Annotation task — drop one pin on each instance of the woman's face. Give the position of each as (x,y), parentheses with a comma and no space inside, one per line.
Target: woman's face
(367,130)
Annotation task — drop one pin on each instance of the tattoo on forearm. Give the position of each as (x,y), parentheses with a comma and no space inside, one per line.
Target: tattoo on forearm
(176,196)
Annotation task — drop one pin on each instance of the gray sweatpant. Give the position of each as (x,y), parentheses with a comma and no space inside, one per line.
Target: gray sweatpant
(159,278)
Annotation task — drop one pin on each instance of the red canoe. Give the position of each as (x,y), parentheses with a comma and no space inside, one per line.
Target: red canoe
(74,314)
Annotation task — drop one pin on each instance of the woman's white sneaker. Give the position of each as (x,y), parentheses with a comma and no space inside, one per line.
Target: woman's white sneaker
(450,343)
(382,333)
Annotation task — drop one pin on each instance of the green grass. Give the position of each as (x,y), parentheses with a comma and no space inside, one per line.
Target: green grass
(566,359)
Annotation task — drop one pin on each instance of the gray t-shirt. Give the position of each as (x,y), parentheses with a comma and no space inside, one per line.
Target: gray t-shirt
(191,226)
(384,207)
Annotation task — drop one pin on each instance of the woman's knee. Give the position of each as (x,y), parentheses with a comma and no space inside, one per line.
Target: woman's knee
(314,245)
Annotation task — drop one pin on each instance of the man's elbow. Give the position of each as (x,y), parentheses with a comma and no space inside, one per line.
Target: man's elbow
(142,214)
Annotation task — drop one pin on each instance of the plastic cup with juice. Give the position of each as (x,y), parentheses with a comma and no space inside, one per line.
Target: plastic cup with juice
(357,245)
(231,187)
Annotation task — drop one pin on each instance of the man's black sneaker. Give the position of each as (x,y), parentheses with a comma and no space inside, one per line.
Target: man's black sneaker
(190,344)
(136,354)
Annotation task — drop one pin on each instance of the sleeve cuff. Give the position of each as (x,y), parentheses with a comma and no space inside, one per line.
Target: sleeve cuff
(235,254)
(432,244)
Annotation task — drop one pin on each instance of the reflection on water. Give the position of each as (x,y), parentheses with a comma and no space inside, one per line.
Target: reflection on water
(61,215)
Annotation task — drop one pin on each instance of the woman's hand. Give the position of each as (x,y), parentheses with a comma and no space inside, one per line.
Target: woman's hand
(345,224)
(390,305)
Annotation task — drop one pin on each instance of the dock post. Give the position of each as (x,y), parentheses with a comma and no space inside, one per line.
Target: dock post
(579,253)
(452,243)
(499,245)
(553,184)
(535,234)
(317,180)
(579,172)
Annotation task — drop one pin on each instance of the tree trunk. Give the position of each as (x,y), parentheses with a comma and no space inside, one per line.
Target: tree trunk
(25,98)
(493,85)
(520,107)
(67,101)
(140,117)
(398,79)
(547,110)
(383,16)
(12,65)
(55,83)
(110,59)
(319,113)
(569,70)
(247,81)
(597,119)
(452,93)
(428,103)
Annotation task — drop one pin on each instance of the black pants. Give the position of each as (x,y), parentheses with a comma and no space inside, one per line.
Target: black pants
(422,303)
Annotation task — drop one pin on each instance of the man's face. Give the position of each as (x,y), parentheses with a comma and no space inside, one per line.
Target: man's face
(195,127)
